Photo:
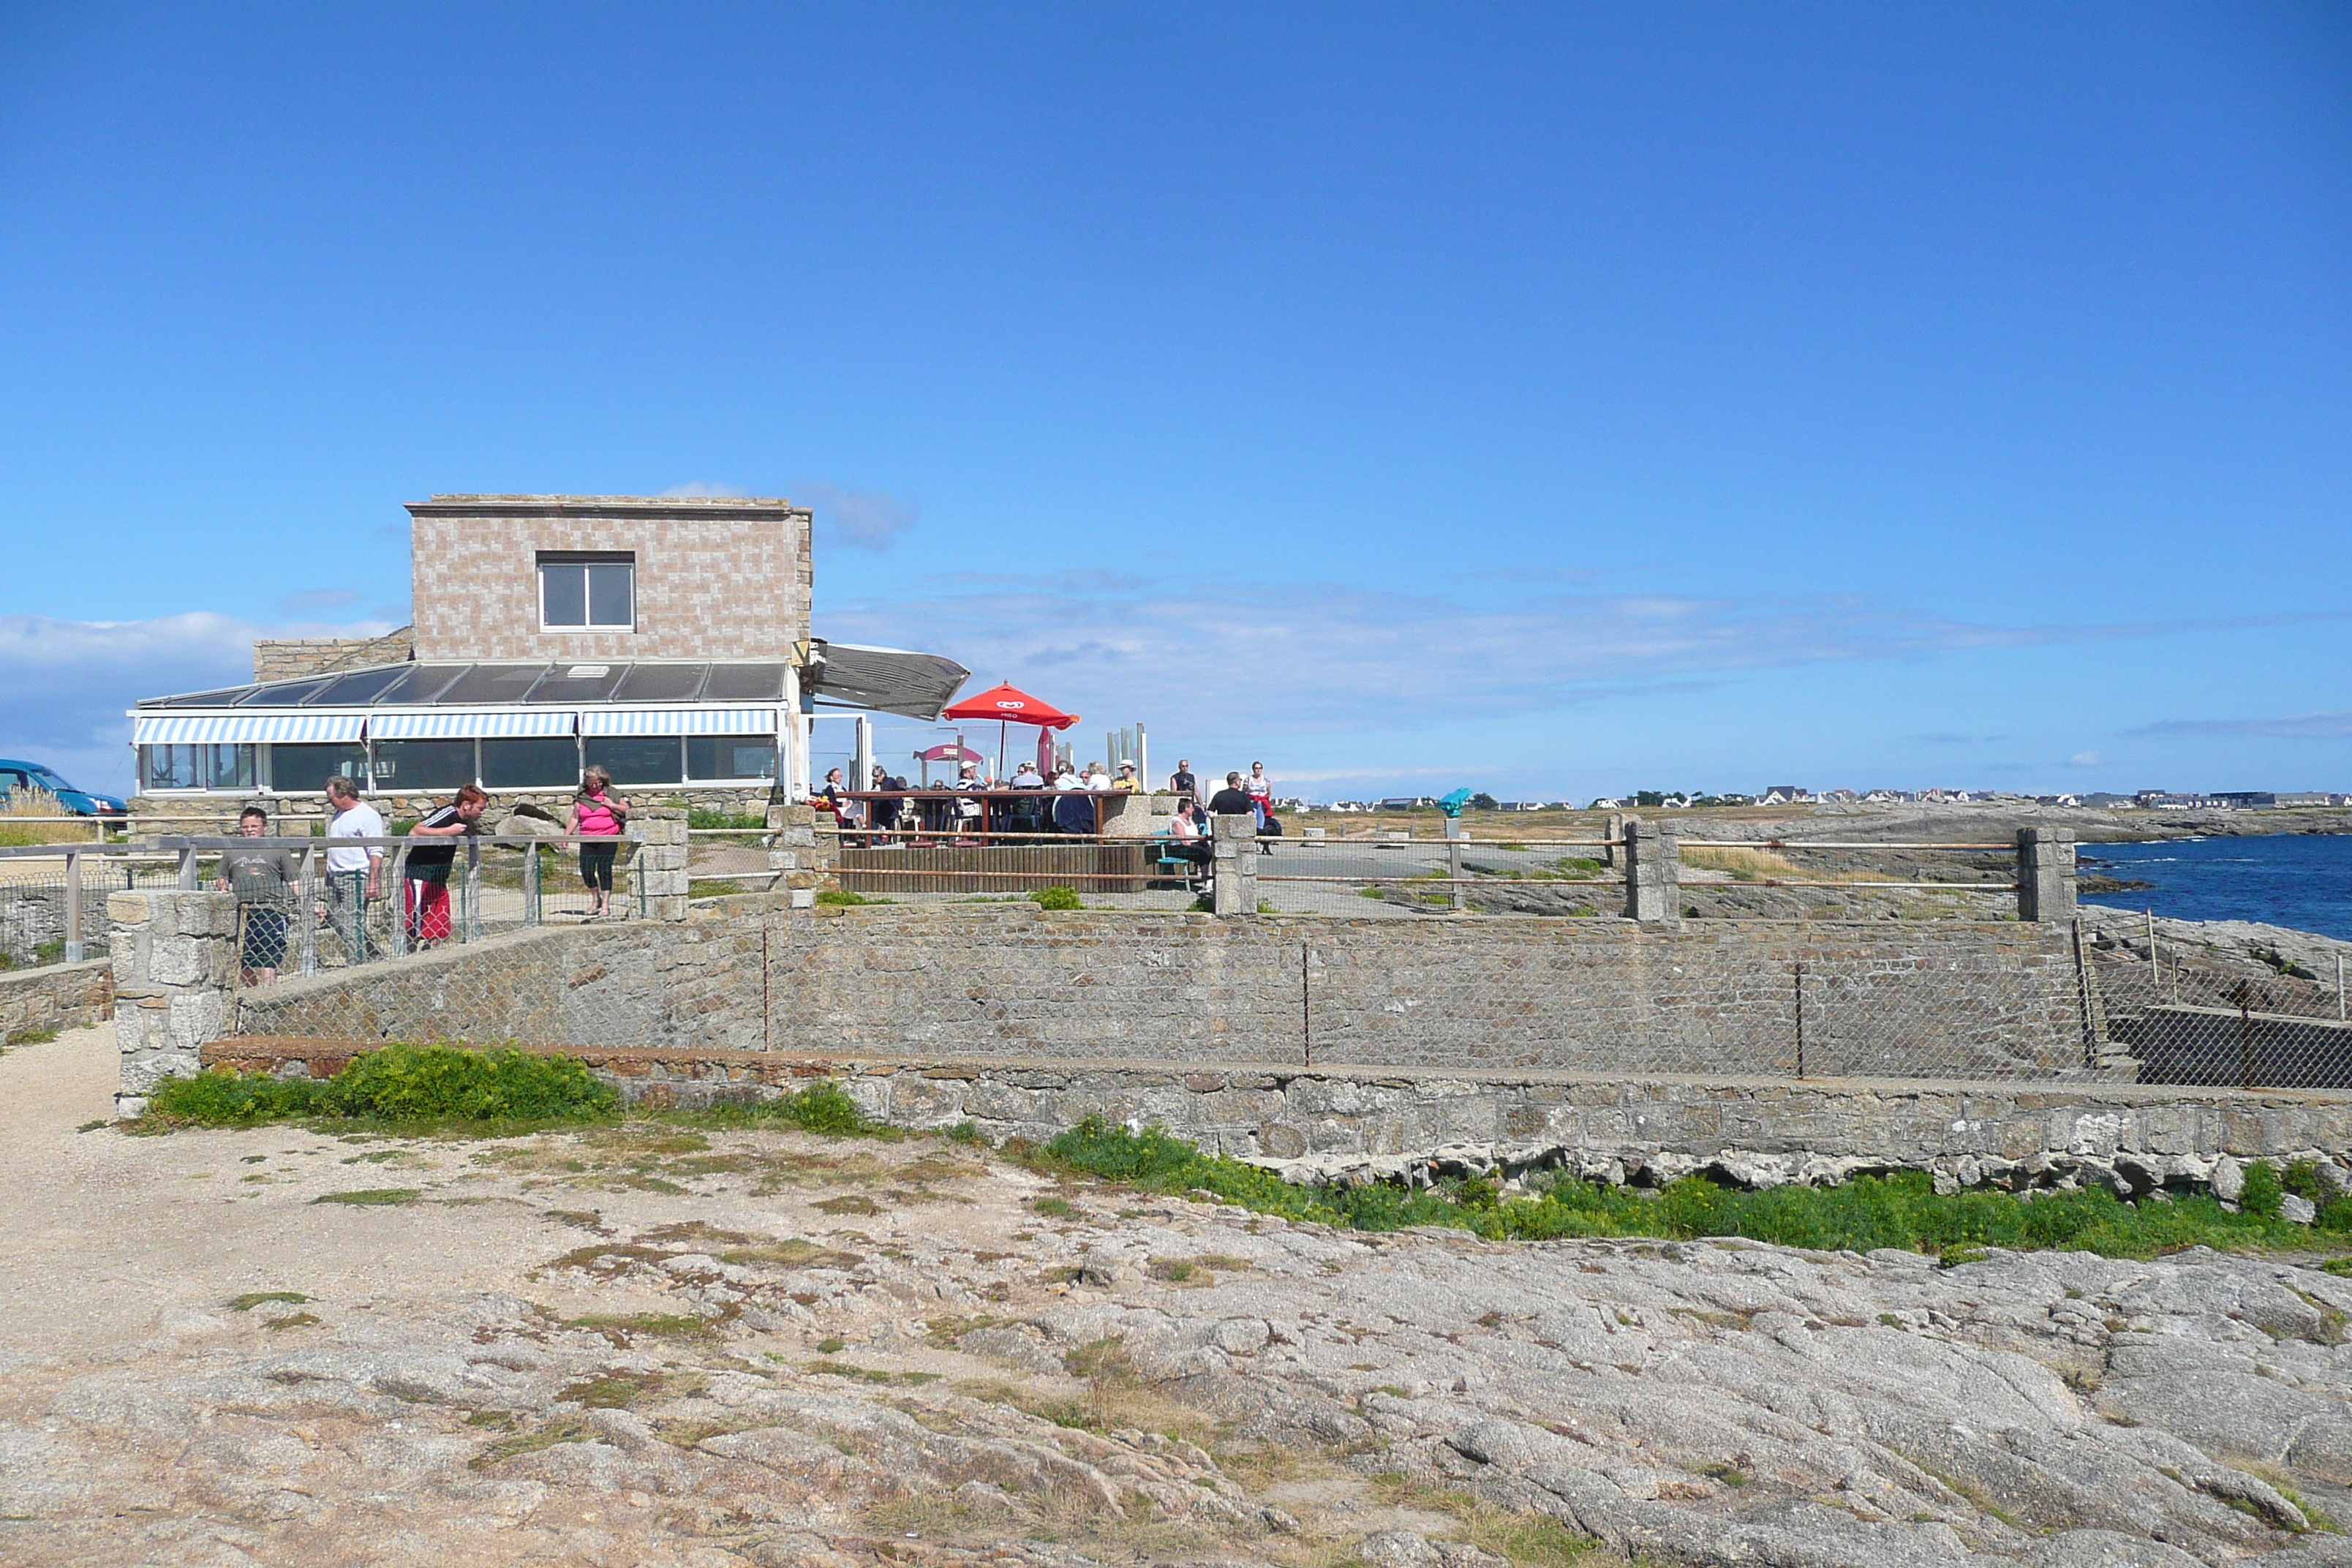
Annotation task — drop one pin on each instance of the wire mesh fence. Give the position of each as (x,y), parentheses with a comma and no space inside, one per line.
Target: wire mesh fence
(2188,1013)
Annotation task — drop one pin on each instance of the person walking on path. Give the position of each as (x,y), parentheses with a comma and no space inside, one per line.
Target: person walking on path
(598,813)
(263,880)
(426,882)
(354,873)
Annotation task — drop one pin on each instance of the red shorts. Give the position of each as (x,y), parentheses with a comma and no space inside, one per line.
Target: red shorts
(428,910)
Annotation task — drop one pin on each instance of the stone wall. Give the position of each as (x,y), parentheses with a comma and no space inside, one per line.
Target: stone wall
(995,981)
(174,962)
(61,995)
(288,659)
(1946,998)
(1336,1124)
(716,578)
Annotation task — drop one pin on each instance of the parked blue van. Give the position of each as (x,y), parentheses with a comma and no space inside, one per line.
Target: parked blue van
(15,775)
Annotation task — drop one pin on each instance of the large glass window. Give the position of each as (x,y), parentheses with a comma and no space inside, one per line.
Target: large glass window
(635,758)
(424,764)
(544,762)
(295,770)
(731,757)
(587,590)
(230,767)
(171,767)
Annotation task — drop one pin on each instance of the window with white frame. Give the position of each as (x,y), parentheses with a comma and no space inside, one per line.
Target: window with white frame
(582,590)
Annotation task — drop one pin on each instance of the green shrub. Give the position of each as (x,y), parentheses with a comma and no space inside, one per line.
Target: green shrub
(843,896)
(2263,1189)
(1058,899)
(2302,1179)
(822,1107)
(223,1096)
(398,1083)
(442,1083)
(1900,1211)
(706,817)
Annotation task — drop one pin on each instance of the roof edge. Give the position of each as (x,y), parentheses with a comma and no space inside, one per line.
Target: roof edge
(605,506)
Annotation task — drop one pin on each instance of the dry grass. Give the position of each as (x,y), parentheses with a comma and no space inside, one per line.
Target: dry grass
(1766,866)
(1527,1539)
(30,816)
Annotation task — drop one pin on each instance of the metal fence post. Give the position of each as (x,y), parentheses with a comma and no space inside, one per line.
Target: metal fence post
(307,916)
(473,895)
(399,870)
(73,905)
(1799,969)
(531,884)
(188,870)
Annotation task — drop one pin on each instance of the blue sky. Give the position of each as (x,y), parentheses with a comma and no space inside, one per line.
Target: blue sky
(1557,400)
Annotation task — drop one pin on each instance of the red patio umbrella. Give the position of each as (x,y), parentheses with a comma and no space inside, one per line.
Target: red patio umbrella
(1008,704)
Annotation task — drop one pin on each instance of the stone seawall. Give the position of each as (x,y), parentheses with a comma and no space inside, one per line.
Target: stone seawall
(1956,1000)
(1343,1123)
(58,997)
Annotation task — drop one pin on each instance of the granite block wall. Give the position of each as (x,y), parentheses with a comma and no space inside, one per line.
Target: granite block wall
(55,996)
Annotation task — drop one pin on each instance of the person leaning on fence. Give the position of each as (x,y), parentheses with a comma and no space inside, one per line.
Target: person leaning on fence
(263,878)
(598,813)
(426,882)
(354,873)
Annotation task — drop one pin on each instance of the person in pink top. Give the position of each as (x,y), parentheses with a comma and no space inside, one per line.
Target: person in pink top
(598,813)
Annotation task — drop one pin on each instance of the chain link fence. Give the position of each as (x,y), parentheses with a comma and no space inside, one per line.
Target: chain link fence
(2190,1014)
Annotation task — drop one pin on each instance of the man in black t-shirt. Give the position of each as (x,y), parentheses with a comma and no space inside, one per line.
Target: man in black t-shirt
(1233,800)
(428,876)
(1181,781)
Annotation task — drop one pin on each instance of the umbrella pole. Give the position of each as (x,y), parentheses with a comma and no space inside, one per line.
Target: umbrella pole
(1001,726)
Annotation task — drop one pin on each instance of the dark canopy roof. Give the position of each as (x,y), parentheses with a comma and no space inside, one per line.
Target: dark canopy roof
(890,679)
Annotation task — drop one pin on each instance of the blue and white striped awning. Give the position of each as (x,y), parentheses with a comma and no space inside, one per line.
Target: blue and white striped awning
(679,722)
(495,724)
(236,728)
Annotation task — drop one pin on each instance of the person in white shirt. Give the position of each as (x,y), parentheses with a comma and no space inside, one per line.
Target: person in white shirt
(354,872)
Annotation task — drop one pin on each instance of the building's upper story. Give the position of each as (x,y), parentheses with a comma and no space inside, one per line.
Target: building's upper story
(608,578)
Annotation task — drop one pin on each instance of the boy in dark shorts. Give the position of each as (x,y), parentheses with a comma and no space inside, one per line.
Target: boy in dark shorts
(263,880)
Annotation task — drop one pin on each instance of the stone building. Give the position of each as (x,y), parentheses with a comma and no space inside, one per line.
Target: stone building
(664,639)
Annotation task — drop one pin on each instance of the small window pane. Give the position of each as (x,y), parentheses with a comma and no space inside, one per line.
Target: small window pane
(424,764)
(563,594)
(608,596)
(490,683)
(296,769)
(171,767)
(731,756)
(541,762)
(635,758)
(230,767)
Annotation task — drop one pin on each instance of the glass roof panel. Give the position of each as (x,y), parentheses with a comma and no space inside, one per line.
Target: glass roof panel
(745,683)
(419,683)
(220,699)
(662,683)
(359,686)
(581,682)
(288,694)
(491,683)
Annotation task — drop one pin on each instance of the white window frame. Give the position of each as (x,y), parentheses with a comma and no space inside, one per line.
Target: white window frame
(583,559)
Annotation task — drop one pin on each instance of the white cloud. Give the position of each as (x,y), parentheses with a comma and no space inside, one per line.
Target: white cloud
(2301,726)
(2084,760)
(860,519)
(64,684)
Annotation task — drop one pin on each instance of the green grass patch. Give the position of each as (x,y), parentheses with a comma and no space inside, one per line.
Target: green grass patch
(37,1036)
(1058,899)
(823,1107)
(1900,1211)
(844,897)
(370,1197)
(252,1298)
(714,888)
(734,821)
(398,1084)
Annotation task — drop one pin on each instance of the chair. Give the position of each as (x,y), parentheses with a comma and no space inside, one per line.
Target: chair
(1186,869)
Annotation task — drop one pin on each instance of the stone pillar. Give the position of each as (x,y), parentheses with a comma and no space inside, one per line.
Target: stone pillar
(659,866)
(1614,833)
(1652,874)
(2045,873)
(1235,841)
(800,863)
(174,965)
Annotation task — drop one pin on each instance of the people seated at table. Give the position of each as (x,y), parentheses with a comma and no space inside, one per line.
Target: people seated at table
(1188,836)
(886,813)
(1127,782)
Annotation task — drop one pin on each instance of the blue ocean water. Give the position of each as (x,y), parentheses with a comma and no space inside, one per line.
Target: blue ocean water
(2298,879)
